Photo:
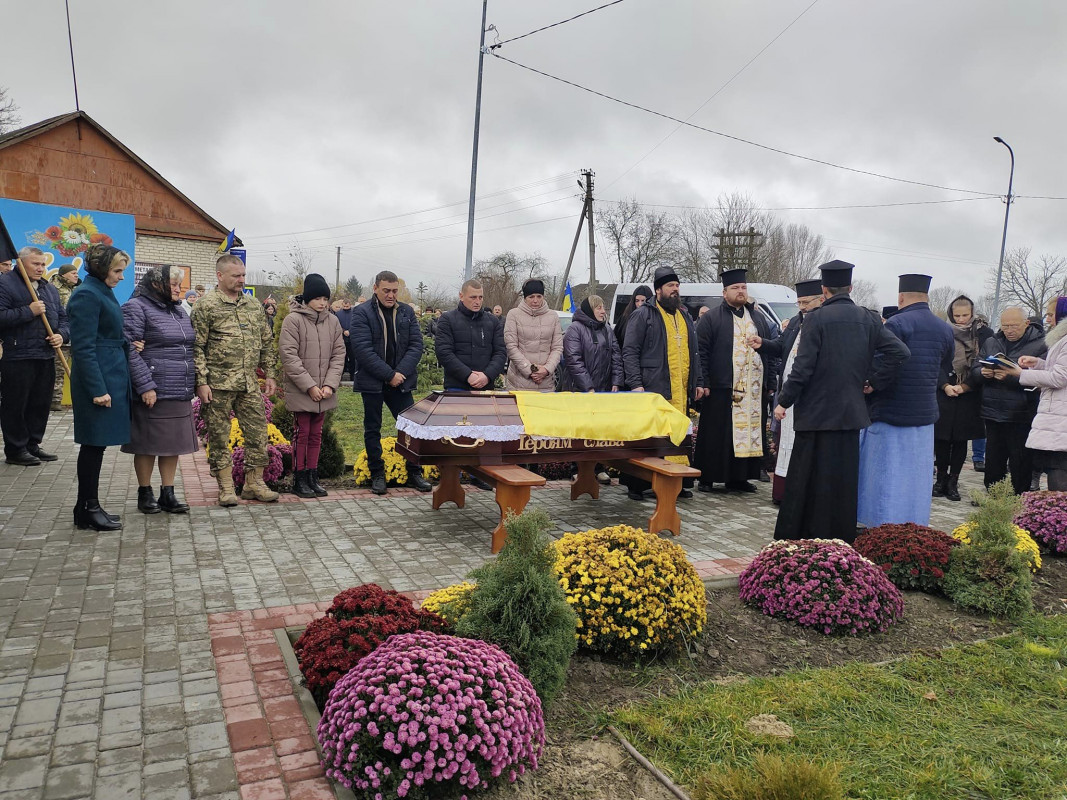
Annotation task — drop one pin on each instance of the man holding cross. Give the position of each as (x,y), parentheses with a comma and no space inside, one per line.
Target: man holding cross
(28,368)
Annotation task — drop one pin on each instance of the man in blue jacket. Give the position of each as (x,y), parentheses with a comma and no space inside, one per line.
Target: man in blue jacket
(28,368)
(897,451)
(387,341)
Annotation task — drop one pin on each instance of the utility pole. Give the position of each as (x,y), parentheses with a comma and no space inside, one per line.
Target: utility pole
(1004,237)
(468,268)
(337,281)
(589,221)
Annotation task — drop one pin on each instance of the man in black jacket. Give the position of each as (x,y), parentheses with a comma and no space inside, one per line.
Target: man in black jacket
(470,343)
(659,354)
(387,343)
(28,368)
(730,439)
(833,370)
(1007,408)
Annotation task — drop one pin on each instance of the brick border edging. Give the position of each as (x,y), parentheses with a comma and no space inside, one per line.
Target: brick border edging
(274,752)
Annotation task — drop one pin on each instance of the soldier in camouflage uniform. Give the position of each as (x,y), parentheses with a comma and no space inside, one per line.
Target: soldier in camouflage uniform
(231,342)
(65,280)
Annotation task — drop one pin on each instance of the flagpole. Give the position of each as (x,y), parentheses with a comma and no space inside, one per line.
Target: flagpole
(44,318)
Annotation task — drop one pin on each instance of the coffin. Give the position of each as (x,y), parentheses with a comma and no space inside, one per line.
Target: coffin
(487,428)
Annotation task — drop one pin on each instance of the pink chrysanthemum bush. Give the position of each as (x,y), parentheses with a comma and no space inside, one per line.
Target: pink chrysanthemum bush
(1044,515)
(425,714)
(822,584)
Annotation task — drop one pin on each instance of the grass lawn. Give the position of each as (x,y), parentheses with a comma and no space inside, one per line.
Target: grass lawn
(994,727)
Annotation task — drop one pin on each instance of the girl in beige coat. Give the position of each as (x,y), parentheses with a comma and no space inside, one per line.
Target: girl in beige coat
(312,349)
(534,341)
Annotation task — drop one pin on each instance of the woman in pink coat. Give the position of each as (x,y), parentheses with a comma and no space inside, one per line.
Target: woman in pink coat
(1048,433)
(312,349)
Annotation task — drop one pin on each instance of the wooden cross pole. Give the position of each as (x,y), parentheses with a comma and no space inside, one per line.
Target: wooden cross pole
(44,317)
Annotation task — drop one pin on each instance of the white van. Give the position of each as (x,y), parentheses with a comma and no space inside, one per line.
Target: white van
(779,302)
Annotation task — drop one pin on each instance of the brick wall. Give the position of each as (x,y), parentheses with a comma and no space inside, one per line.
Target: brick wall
(197,256)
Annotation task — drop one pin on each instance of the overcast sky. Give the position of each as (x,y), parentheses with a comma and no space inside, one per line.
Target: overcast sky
(279,117)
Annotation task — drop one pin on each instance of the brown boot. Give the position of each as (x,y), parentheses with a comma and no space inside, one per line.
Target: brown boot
(227,494)
(256,488)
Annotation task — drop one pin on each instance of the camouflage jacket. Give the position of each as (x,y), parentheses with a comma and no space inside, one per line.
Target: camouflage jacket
(63,288)
(232,340)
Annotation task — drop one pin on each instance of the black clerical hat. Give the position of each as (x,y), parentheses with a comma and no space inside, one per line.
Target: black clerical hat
(665,275)
(837,274)
(888,311)
(731,276)
(915,283)
(809,288)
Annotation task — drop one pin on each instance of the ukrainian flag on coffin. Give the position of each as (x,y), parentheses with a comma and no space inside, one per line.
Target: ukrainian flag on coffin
(568,298)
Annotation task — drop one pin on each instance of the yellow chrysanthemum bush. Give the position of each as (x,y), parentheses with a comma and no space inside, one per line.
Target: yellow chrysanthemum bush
(633,591)
(1024,542)
(450,603)
(396,468)
(237,437)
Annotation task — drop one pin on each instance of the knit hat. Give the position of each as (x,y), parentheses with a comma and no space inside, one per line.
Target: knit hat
(314,286)
(533,286)
(192,293)
(67,268)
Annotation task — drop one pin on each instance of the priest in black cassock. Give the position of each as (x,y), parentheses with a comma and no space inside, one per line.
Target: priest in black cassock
(834,368)
(733,417)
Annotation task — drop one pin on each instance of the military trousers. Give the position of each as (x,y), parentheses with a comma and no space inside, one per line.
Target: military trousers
(251,416)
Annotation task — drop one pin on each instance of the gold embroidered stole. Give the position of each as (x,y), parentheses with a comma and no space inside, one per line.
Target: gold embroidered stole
(747,408)
(677,357)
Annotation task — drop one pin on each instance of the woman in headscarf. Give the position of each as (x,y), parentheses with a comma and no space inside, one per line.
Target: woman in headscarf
(99,379)
(163,376)
(592,359)
(959,399)
(642,294)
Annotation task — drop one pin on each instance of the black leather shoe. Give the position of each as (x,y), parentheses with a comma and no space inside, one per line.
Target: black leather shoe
(300,484)
(41,454)
(764,477)
(416,481)
(377,484)
(952,491)
(313,483)
(480,484)
(639,496)
(23,458)
(740,486)
(89,516)
(685,494)
(979,466)
(146,501)
(705,487)
(169,503)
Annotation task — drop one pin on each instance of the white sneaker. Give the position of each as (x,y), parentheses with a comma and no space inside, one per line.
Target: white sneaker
(604,478)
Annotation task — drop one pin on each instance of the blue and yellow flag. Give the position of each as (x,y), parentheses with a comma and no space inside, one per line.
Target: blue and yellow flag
(228,242)
(568,298)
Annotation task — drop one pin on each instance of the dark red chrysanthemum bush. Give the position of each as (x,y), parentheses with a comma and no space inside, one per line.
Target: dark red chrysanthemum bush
(360,619)
(912,556)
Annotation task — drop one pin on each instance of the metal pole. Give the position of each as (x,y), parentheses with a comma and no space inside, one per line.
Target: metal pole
(337,280)
(1004,237)
(589,220)
(468,268)
(70,40)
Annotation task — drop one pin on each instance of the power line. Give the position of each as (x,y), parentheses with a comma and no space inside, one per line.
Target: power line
(1035,197)
(778,150)
(541,182)
(717,92)
(495,45)
(809,208)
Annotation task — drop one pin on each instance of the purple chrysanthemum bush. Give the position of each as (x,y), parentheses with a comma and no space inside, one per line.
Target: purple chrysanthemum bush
(426,713)
(1044,515)
(822,584)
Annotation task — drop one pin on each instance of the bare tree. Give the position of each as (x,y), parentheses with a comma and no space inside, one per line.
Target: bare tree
(641,240)
(503,274)
(292,268)
(791,253)
(865,293)
(1031,284)
(9,112)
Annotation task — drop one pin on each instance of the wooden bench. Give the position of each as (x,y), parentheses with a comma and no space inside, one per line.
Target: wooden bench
(511,483)
(666,478)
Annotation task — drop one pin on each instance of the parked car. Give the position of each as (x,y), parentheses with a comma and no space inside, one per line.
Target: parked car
(778,302)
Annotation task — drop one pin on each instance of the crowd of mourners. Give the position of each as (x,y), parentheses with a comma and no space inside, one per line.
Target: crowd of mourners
(848,412)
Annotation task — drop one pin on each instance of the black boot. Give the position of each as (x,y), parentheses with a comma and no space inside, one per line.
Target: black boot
(300,484)
(313,483)
(952,488)
(377,484)
(939,484)
(146,501)
(417,481)
(89,516)
(169,503)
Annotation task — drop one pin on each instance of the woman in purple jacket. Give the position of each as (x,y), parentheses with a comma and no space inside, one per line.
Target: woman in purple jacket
(163,376)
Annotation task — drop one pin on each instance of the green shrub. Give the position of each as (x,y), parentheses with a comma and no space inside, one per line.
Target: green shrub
(332,455)
(772,778)
(430,372)
(990,574)
(519,605)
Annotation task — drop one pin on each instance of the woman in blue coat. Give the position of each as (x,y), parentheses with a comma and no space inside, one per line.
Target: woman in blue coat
(99,380)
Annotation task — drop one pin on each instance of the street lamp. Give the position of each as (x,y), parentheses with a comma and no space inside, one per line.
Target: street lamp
(1004,238)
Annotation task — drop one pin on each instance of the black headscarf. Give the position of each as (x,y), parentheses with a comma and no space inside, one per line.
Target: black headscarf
(98,259)
(620,329)
(155,285)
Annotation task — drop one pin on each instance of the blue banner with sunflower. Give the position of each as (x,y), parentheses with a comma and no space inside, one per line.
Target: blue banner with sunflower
(64,234)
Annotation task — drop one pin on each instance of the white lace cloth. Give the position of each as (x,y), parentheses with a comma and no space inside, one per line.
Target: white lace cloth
(490,433)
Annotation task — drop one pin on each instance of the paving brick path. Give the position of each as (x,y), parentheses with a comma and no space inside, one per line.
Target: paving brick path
(109,684)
